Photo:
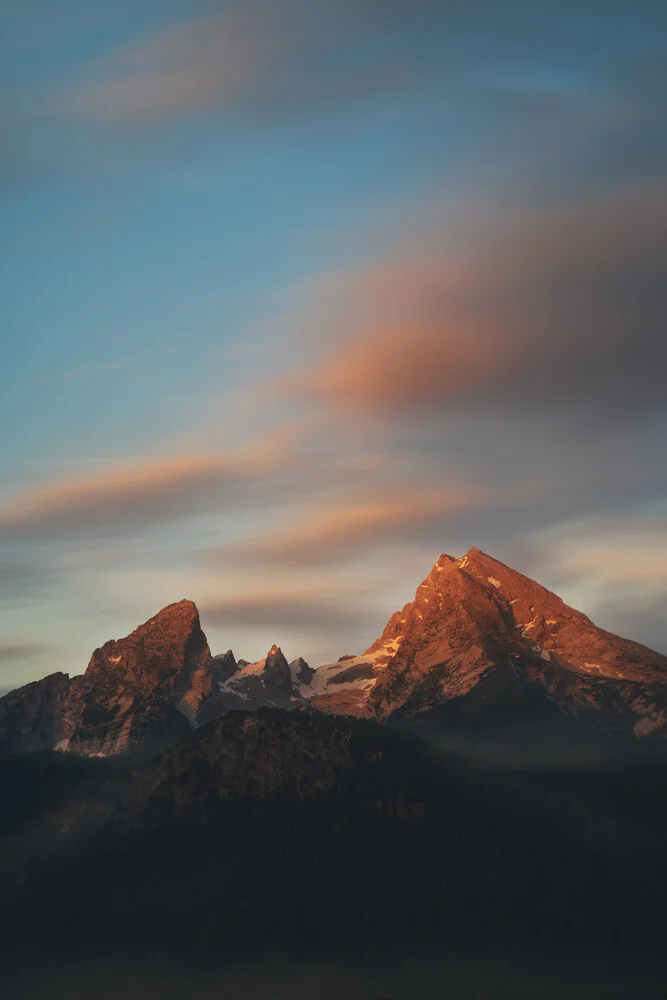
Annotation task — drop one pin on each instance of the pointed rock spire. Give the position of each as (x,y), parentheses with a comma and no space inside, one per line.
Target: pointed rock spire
(277,675)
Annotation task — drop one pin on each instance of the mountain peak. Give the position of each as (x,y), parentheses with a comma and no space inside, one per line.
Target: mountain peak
(178,609)
(478,635)
(147,688)
(444,561)
(301,671)
(477,628)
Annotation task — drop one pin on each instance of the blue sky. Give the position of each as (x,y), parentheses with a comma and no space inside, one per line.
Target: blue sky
(298,296)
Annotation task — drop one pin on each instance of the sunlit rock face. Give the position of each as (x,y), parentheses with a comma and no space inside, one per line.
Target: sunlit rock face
(147,689)
(480,645)
(480,633)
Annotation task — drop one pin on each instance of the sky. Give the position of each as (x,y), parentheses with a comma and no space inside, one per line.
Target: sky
(298,296)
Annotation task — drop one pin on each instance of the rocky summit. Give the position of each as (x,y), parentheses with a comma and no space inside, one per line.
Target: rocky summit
(480,633)
(145,690)
(480,648)
(481,643)
(271,682)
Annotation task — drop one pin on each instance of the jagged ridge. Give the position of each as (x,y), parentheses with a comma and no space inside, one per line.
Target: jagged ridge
(479,638)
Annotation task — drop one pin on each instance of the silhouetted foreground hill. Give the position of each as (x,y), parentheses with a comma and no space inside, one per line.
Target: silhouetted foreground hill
(322,839)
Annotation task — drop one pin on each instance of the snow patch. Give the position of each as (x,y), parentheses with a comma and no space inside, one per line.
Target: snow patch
(228,688)
(496,583)
(249,670)
(593,668)
(115,659)
(322,680)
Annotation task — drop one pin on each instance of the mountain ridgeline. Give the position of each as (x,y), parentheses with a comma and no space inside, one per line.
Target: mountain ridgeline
(172,806)
(480,648)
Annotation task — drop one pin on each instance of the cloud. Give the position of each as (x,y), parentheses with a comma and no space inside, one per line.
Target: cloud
(140,493)
(295,60)
(284,608)
(612,566)
(534,103)
(12,650)
(556,308)
(24,575)
(616,552)
(183,68)
(344,531)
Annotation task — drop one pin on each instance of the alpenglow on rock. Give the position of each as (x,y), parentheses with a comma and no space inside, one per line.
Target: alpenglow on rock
(480,646)
(479,633)
(145,690)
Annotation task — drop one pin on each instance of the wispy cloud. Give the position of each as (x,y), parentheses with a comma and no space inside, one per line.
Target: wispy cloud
(181,69)
(289,609)
(142,492)
(13,650)
(351,526)
(612,565)
(518,74)
(557,307)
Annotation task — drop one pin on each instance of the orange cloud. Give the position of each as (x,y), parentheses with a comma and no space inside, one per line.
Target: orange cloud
(550,308)
(142,491)
(341,532)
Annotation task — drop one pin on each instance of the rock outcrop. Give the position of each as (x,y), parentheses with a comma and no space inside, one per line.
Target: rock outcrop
(146,690)
(480,633)
(480,646)
(31,717)
(270,682)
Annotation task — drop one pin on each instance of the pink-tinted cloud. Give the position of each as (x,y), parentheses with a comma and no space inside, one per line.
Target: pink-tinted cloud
(142,492)
(564,305)
(184,68)
(344,530)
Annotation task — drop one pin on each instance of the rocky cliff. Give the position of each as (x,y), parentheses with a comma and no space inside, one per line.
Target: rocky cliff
(479,632)
(145,690)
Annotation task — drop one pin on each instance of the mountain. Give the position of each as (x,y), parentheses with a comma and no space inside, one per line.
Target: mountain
(270,682)
(180,837)
(144,691)
(480,634)
(482,645)
(482,652)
